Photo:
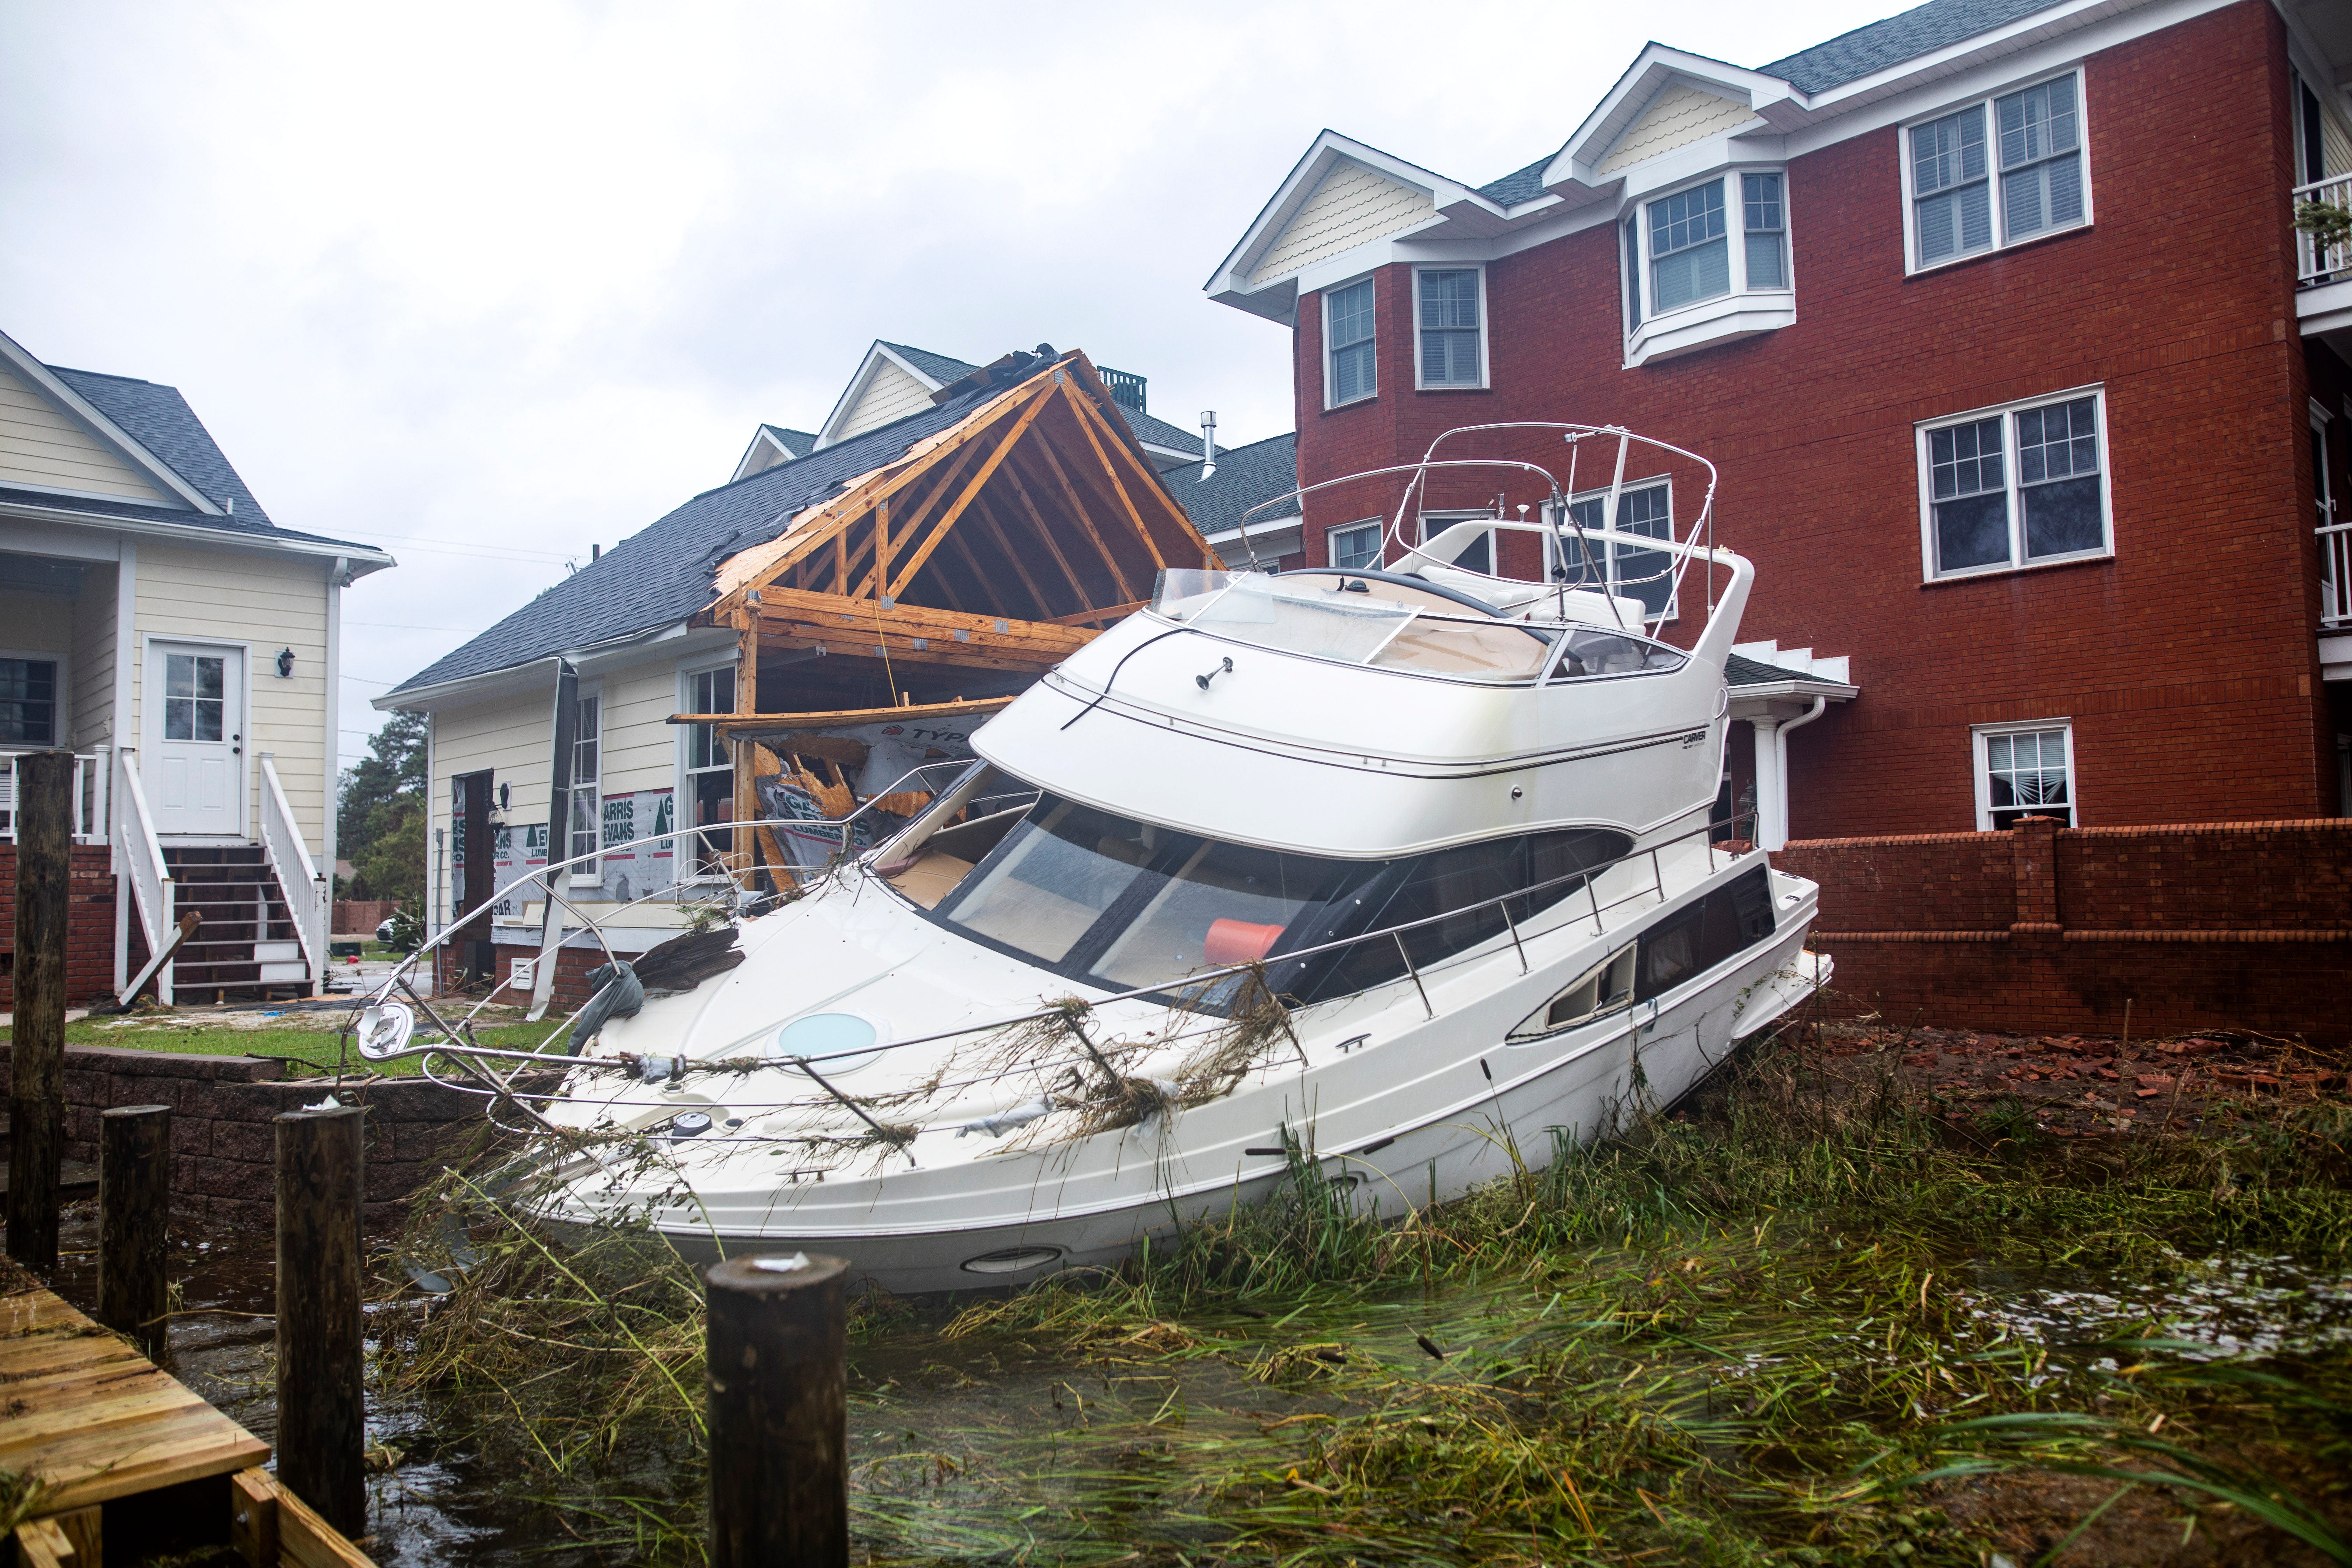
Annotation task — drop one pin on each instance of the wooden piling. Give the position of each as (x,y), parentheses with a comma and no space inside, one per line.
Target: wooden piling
(36,1089)
(777,1354)
(321,1404)
(134,1205)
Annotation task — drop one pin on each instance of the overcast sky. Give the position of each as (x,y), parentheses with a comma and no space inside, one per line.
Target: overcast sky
(488,283)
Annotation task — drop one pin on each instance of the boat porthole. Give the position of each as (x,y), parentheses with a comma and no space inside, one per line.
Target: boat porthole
(842,1038)
(1012,1260)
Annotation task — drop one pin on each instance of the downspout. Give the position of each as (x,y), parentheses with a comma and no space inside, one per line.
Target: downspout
(1780,766)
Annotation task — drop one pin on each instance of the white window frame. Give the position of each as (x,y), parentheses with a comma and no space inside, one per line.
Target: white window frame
(1331,380)
(683,856)
(1645,302)
(590,873)
(1380,542)
(1979,734)
(1485,362)
(60,719)
(1610,535)
(1990,104)
(1433,523)
(2018,559)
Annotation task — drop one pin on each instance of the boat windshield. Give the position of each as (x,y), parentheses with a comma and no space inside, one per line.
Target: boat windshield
(1131,904)
(1329,618)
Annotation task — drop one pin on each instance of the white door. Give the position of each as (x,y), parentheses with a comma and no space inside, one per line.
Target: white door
(195,770)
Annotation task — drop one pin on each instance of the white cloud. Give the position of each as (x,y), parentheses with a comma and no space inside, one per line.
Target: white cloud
(526,275)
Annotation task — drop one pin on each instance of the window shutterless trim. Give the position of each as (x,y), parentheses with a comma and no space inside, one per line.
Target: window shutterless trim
(1988,104)
(2013,486)
(1378,545)
(1980,763)
(1331,380)
(1486,366)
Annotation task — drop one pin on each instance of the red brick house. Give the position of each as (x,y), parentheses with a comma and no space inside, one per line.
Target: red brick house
(2029,400)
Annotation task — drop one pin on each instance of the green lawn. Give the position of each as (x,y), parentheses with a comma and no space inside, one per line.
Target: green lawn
(307,1040)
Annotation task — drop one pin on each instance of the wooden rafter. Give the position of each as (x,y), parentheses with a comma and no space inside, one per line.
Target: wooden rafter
(986,516)
(1085,522)
(949,519)
(1053,545)
(1088,417)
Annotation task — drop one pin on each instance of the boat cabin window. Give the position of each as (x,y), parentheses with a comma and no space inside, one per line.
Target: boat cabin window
(1604,988)
(1729,919)
(1461,895)
(1345,617)
(1587,651)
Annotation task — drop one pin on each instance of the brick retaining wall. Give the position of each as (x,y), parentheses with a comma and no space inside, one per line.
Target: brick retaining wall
(2197,926)
(359,917)
(223,1141)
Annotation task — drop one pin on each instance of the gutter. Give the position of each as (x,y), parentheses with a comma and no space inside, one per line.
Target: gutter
(488,681)
(361,558)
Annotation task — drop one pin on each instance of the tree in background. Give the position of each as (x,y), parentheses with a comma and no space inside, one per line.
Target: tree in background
(380,816)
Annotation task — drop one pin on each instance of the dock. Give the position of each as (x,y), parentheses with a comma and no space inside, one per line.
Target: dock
(94,1423)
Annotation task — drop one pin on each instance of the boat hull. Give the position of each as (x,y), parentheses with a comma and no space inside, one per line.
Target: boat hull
(1398,1139)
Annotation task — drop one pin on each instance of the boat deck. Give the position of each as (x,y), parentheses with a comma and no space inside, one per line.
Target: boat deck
(92,1421)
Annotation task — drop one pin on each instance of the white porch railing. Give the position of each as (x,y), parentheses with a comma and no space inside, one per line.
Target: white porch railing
(93,771)
(2314,261)
(2335,576)
(297,874)
(142,856)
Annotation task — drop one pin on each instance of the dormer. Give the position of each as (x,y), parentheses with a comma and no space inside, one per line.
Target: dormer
(1702,203)
(771,444)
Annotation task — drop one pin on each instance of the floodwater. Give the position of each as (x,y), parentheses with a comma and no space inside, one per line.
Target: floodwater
(995,1447)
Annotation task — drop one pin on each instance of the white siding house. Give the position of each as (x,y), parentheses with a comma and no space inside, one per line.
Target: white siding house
(157,623)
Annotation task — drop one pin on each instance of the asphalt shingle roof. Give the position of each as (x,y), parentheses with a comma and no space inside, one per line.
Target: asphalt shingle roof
(662,574)
(1245,477)
(1739,669)
(160,420)
(799,441)
(1154,432)
(1847,58)
(1850,56)
(1519,185)
(939,367)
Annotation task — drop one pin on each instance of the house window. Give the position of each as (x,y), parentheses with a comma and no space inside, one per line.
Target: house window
(2014,486)
(194,696)
(1478,555)
(1600,561)
(1690,255)
(1348,328)
(2024,770)
(2030,140)
(1768,231)
(1356,545)
(1632,276)
(587,812)
(1453,334)
(709,770)
(29,702)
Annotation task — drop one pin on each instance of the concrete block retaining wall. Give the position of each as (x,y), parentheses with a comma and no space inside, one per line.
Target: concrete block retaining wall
(225,1145)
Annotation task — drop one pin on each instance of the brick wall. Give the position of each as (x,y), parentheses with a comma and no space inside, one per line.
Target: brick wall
(89,925)
(222,1141)
(2186,663)
(2209,925)
(359,917)
(571,967)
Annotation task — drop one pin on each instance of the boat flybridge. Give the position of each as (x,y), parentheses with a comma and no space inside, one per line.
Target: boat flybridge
(1394,870)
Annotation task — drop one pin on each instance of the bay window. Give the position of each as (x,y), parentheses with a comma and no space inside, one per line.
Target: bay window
(1707,264)
(2014,486)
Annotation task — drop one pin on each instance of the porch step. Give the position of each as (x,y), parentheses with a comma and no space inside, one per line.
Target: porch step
(248,948)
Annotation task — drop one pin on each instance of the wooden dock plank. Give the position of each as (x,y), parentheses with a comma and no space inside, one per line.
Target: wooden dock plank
(93,1419)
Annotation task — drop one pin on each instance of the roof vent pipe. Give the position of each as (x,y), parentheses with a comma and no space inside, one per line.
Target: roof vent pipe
(1208,442)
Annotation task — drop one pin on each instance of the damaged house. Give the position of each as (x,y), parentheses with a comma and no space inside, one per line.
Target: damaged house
(790,644)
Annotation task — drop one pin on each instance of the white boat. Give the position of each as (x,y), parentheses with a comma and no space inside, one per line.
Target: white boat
(1401,869)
